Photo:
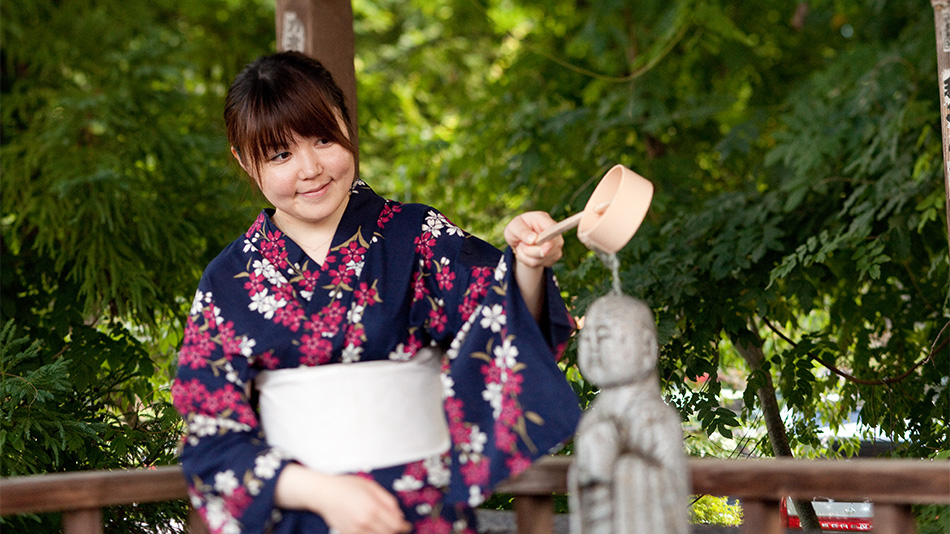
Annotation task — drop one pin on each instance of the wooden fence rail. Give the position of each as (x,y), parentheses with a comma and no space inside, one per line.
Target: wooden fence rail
(893,485)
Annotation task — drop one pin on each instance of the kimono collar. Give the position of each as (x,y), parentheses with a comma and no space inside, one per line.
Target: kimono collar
(361,214)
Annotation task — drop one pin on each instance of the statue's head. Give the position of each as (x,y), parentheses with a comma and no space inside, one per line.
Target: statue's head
(618,341)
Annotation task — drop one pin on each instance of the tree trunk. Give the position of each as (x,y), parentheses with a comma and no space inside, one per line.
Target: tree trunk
(774,425)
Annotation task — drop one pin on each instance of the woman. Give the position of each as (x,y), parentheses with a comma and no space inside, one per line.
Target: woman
(353,363)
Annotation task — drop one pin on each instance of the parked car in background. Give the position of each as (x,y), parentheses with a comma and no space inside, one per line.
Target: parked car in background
(834,516)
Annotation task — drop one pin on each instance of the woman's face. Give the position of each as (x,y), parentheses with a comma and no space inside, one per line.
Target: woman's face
(308,182)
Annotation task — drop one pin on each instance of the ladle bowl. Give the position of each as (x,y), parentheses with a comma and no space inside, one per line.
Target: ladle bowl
(613,213)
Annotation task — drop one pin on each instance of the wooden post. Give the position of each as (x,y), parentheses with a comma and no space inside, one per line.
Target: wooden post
(760,517)
(942,25)
(88,521)
(323,29)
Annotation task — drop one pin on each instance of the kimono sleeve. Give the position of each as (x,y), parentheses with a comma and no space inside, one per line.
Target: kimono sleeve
(506,400)
(230,469)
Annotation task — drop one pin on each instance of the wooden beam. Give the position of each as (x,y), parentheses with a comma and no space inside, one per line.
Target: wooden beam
(323,29)
(90,490)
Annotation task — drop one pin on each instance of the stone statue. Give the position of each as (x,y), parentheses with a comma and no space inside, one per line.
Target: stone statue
(629,473)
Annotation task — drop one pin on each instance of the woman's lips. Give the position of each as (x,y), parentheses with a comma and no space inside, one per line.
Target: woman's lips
(316,192)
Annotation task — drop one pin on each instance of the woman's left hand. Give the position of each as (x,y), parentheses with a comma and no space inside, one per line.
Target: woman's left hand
(521,234)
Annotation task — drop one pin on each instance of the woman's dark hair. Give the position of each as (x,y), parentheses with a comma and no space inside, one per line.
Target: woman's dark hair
(278,96)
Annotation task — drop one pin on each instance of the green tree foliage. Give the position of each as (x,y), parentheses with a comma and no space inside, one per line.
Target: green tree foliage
(796,154)
(117,189)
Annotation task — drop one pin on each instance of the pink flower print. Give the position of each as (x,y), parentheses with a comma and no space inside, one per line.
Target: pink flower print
(416,470)
(458,431)
(258,224)
(267,360)
(467,307)
(245,414)
(511,412)
(475,472)
(505,439)
(290,316)
(478,288)
(387,214)
(444,277)
(434,525)
(353,252)
(334,313)
(316,350)
(341,276)
(192,358)
(355,335)
(308,280)
(237,502)
(424,244)
(185,394)
(366,295)
(492,373)
(512,384)
(274,251)
(517,463)
(254,284)
(437,319)
(418,286)
(453,409)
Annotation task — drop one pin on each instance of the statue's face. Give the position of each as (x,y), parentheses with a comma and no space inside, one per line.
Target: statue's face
(615,348)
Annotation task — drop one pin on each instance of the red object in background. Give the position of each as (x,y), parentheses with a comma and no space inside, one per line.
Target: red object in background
(832,515)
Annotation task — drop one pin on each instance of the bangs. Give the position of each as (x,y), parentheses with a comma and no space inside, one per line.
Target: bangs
(264,114)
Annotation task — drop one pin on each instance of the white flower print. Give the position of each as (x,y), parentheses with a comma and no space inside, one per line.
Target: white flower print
(266,268)
(400,354)
(453,351)
(202,425)
(494,317)
(351,353)
(448,386)
(407,483)
(247,346)
(506,355)
(216,311)
(474,446)
(198,302)
(216,515)
(501,270)
(492,394)
(254,486)
(225,482)
(248,245)
(434,224)
(357,267)
(265,304)
(475,497)
(424,509)
(307,295)
(355,315)
(265,465)
(439,474)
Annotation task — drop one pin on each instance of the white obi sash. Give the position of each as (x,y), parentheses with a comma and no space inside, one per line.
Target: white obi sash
(344,418)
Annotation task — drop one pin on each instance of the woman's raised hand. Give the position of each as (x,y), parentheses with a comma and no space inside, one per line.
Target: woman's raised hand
(521,233)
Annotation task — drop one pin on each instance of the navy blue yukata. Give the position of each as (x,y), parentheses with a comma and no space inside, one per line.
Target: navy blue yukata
(397,278)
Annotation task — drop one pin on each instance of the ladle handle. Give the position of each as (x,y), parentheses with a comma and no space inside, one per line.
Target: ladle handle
(559,228)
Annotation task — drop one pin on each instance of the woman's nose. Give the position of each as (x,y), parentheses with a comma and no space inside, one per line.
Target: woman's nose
(310,164)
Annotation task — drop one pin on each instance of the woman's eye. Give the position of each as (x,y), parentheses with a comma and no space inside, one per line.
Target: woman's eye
(280,156)
(323,141)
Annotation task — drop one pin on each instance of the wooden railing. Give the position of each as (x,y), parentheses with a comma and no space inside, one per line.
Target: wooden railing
(893,485)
